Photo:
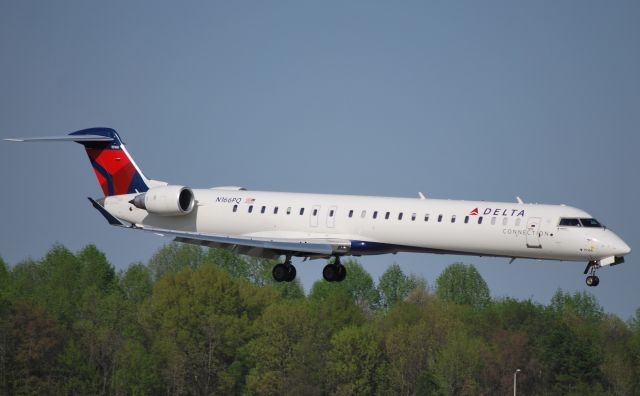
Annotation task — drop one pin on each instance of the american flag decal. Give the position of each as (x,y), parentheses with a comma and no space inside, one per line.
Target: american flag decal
(250,200)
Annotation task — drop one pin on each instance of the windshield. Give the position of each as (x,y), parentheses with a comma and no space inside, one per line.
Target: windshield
(568,222)
(590,223)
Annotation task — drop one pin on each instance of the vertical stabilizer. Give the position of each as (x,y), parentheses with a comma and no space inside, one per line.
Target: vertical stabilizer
(115,169)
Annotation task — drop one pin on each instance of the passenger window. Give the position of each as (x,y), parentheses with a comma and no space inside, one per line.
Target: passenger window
(413,217)
(518,221)
(453,218)
(315,212)
(264,208)
(275,210)
(331,213)
(400,216)
(426,217)
(466,219)
(363,214)
(289,210)
(375,214)
(351,213)
(250,208)
(235,208)
(439,218)
(505,221)
(301,211)
(480,220)
(493,221)
(386,215)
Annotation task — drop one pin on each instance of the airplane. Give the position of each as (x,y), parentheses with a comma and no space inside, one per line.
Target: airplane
(321,226)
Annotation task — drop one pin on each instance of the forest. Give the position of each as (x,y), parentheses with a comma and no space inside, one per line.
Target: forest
(195,321)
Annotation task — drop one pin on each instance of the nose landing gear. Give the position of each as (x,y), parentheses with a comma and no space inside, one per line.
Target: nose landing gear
(592,280)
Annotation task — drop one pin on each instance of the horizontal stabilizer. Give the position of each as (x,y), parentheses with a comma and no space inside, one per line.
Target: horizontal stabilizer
(66,138)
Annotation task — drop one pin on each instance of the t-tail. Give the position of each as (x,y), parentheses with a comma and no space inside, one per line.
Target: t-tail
(114,167)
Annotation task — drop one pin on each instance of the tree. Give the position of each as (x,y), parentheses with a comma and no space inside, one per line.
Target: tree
(174,257)
(395,286)
(95,269)
(572,362)
(197,321)
(136,283)
(4,278)
(582,304)
(358,286)
(356,363)
(287,353)
(35,341)
(463,284)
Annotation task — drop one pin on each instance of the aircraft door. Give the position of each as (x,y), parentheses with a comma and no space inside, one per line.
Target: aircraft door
(315,213)
(331,216)
(533,233)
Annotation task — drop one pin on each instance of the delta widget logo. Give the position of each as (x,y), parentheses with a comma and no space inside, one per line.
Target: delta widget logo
(499,212)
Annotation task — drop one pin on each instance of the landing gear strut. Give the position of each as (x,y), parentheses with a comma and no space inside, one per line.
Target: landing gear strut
(592,280)
(284,272)
(334,272)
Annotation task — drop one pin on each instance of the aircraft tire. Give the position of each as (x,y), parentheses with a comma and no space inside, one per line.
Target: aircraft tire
(592,281)
(291,273)
(280,273)
(342,273)
(330,273)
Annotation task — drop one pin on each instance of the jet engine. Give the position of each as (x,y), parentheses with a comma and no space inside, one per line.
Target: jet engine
(166,201)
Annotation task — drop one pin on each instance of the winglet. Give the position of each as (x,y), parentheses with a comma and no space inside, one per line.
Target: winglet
(110,218)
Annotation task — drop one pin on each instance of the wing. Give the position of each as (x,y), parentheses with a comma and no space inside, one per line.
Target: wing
(259,247)
(251,246)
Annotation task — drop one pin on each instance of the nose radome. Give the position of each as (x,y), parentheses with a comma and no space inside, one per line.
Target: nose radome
(624,249)
(621,248)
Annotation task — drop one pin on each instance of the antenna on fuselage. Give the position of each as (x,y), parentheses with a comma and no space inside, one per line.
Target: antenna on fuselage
(519,200)
(421,195)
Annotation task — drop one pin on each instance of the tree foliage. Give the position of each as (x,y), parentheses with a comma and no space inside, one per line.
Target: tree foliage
(196,321)
(395,286)
(462,284)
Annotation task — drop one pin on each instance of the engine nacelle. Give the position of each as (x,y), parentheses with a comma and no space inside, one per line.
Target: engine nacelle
(166,201)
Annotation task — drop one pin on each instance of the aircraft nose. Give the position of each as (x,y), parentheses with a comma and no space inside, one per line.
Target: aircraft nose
(619,246)
(624,248)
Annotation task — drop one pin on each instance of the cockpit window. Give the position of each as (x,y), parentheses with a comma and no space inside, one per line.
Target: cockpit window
(591,223)
(569,222)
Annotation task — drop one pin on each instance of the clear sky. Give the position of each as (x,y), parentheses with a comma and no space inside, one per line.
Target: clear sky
(461,100)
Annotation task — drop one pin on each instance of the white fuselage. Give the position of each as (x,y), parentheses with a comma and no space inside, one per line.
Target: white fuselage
(378,225)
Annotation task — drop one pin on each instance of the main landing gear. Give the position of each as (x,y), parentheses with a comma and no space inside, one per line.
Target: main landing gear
(592,280)
(334,272)
(284,272)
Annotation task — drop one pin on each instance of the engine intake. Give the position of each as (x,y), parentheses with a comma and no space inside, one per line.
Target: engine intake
(166,201)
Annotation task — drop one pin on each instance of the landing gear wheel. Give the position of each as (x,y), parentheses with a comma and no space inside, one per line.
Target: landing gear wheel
(592,281)
(334,272)
(280,273)
(291,273)
(342,273)
(330,272)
